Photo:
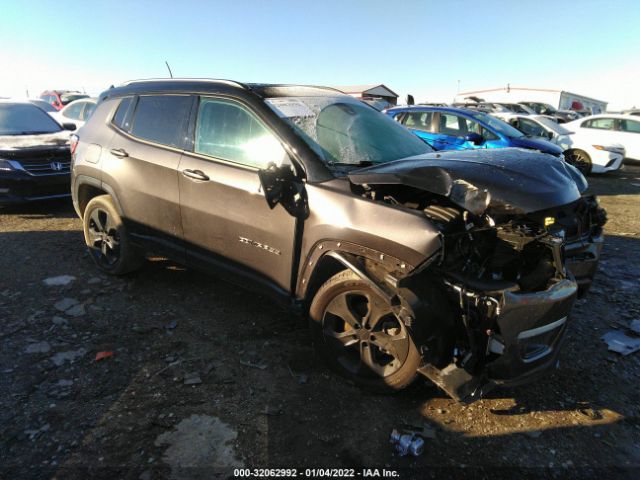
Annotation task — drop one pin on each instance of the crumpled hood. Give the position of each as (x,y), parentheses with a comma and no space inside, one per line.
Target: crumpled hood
(536,144)
(519,181)
(16,142)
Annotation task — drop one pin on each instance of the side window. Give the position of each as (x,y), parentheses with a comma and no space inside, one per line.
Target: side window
(450,125)
(469,126)
(489,135)
(398,117)
(88,111)
(419,121)
(630,126)
(73,112)
(162,119)
(120,118)
(599,123)
(228,131)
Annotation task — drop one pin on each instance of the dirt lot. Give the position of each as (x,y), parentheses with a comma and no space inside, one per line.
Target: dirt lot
(204,376)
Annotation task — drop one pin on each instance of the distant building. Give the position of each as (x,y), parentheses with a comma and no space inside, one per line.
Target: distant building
(560,99)
(370,92)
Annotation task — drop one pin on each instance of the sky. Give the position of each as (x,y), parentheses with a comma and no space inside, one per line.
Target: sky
(427,48)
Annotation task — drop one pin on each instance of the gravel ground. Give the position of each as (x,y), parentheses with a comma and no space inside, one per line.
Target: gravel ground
(201,377)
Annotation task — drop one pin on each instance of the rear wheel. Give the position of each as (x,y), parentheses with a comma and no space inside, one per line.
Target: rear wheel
(357,332)
(579,159)
(106,236)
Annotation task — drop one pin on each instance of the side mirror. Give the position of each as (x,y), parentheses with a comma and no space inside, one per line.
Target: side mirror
(69,126)
(474,138)
(281,186)
(550,135)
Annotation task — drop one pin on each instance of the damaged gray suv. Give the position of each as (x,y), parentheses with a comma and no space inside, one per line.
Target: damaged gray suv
(462,266)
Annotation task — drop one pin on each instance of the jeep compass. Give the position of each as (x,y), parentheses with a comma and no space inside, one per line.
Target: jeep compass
(462,266)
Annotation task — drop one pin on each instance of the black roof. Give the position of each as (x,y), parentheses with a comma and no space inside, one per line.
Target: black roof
(198,85)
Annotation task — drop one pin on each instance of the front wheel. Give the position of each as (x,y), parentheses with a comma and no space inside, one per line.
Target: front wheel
(579,159)
(106,236)
(358,334)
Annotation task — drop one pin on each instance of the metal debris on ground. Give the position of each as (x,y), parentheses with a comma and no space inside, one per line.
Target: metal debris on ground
(407,443)
(621,343)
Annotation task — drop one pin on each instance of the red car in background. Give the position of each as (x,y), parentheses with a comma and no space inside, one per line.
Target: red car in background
(59,98)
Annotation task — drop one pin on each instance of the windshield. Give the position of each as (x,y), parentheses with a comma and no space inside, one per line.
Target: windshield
(497,125)
(25,119)
(551,125)
(344,131)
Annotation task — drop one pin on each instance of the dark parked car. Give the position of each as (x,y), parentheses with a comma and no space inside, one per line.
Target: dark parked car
(560,116)
(406,261)
(34,154)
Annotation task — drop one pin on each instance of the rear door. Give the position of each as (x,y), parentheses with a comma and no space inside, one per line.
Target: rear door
(226,220)
(141,165)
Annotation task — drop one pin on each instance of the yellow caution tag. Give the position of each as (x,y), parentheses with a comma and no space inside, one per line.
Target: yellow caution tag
(549,221)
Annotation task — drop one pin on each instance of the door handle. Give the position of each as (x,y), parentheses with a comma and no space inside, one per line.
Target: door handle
(195,174)
(119,152)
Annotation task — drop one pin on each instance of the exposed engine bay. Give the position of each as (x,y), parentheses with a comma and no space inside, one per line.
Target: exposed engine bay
(508,286)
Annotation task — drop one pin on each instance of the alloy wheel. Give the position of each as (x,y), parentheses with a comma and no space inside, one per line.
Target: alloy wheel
(104,238)
(365,336)
(581,161)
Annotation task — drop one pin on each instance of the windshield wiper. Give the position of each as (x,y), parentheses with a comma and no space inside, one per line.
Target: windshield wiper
(361,163)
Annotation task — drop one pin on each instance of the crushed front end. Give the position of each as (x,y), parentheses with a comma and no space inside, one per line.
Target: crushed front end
(517,246)
(512,297)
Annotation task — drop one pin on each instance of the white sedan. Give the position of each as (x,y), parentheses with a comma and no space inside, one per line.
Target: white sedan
(76,112)
(580,148)
(606,128)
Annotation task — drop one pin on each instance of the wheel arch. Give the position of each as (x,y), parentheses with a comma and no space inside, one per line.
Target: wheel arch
(87,188)
(329,257)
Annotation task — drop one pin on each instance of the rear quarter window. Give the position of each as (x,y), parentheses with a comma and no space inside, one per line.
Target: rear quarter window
(162,119)
(121,114)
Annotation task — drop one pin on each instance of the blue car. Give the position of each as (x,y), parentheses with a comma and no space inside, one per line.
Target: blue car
(446,128)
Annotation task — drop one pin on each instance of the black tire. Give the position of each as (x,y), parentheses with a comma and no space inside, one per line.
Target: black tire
(106,237)
(579,159)
(369,345)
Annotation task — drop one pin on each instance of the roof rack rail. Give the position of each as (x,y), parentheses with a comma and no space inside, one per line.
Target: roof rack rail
(212,80)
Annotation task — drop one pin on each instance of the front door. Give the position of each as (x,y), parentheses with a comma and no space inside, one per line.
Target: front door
(452,130)
(629,136)
(225,218)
